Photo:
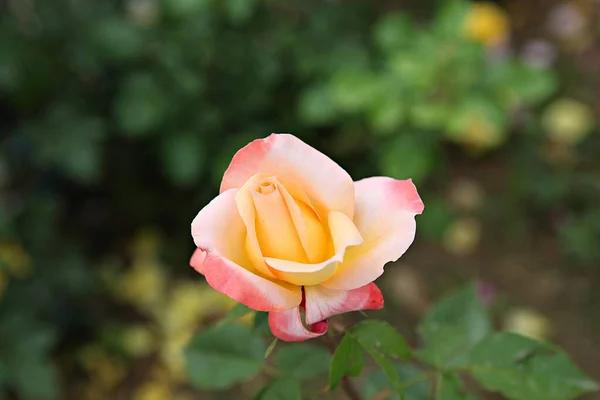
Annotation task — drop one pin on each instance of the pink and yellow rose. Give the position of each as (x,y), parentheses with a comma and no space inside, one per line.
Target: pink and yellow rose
(291,231)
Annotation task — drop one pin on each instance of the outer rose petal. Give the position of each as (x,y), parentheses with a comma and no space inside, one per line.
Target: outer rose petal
(291,160)
(219,230)
(322,303)
(197,260)
(288,326)
(385,217)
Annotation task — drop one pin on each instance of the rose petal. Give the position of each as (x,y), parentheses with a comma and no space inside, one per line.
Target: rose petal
(385,217)
(219,230)
(291,160)
(197,260)
(245,206)
(248,288)
(309,227)
(288,326)
(322,303)
(344,235)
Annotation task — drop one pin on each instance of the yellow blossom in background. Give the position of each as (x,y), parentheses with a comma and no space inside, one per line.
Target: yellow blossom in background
(480,135)
(14,256)
(568,121)
(105,371)
(466,194)
(462,237)
(143,285)
(146,243)
(154,390)
(487,23)
(139,340)
(528,322)
(190,303)
(172,353)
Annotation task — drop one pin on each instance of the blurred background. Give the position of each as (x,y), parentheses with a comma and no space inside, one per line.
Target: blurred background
(119,117)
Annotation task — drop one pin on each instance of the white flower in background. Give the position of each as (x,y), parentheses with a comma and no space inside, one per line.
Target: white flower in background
(538,54)
(143,12)
(566,21)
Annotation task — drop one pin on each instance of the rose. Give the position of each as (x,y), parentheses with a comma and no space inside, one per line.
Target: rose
(290,230)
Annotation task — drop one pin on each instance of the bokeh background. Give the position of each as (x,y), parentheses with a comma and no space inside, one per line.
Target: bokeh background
(119,117)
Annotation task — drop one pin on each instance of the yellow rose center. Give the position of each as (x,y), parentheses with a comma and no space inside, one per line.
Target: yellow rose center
(287,228)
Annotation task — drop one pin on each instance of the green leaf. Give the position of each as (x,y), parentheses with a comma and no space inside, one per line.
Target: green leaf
(223,355)
(239,310)
(523,369)
(281,389)
(347,360)
(452,327)
(183,158)
(380,337)
(376,383)
(381,340)
(261,323)
(449,387)
(141,105)
(302,360)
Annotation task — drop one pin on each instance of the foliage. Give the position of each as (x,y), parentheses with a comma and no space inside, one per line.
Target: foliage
(457,341)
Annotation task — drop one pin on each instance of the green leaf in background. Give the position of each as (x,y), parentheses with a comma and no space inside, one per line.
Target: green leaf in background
(223,355)
(452,327)
(520,85)
(347,360)
(393,32)
(141,105)
(26,353)
(317,105)
(302,360)
(387,115)
(376,383)
(449,387)
(186,8)
(239,11)
(354,90)
(183,157)
(36,379)
(281,389)
(436,220)
(450,19)
(116,38)
(406,156)
(523,369)
(479,122)
(429,115)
